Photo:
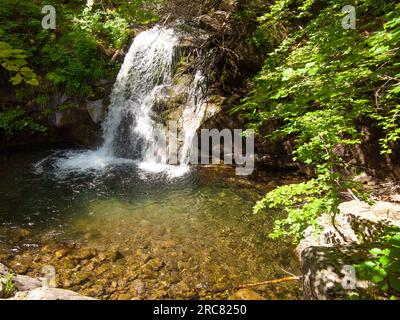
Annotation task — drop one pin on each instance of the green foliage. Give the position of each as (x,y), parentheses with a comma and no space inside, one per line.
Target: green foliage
(8,286)
(69,56)
(384,269)
(13,60)
(107,24)
(319,83)
(74,62)
(14,120)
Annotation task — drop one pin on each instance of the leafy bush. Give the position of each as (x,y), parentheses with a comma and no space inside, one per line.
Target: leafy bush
(74,62)
(319,83)
(14,120)
(384,270)
(104,24)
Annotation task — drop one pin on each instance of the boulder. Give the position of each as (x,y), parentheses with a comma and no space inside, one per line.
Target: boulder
(328,256)
(356,223)
(328,273)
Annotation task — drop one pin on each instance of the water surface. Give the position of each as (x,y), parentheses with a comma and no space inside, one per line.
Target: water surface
(181,237)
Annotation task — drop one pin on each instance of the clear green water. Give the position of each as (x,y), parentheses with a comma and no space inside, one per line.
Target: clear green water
(198,227)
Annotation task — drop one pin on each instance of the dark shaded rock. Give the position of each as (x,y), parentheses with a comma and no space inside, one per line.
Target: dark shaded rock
(328,273)
(114,255)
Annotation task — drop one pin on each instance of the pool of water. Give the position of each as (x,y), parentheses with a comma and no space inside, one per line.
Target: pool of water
(185,236)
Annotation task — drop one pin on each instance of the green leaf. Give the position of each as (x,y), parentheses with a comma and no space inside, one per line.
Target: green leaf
(394,281)
(17,79)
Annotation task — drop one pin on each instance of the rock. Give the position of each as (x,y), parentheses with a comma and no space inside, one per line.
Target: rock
(387,210)
(97,110)
(151,268)
(114,255)
(50,294)
(137,287)
(328,273)
(85,253)
(81,277)
(102,269)
(124,296)
(95,291)
(246,294)
(22,283)
(214,21)
(25,283)
(22,263)
(3,270)
(323,256)
(364,178)
(24,233)
(61,253)
(356,223)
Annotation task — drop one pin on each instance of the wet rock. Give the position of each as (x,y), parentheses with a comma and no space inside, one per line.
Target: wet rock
(121,283)
(61,253)
(23,233)
(22,263)
(67,283)
(151,268)
(142,256)
(97,110)
(114,255)
(124,296)
(95,291)
(102,269)
(80,278)
(137,287)
(246,294)
(85,253)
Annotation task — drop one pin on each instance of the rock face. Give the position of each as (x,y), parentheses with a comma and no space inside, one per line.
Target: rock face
(327,259)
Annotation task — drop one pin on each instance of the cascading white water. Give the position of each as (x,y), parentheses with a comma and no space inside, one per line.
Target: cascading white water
(130,131)
(192,116)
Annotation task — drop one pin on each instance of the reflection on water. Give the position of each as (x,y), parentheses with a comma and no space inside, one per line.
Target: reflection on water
(179,238)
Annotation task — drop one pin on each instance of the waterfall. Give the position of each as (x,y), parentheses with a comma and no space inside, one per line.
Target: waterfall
(192,117)
(131,130)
